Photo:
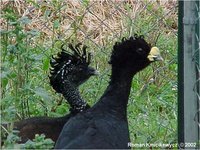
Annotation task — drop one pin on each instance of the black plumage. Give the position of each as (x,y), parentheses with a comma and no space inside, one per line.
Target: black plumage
(105,124)
(72,66)
(68,71)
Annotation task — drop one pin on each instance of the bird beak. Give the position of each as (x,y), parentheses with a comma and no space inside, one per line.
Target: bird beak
(96,73)
(154,55)
(93,71)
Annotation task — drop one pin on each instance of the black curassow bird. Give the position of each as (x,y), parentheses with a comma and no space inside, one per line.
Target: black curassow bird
(105,124)
(69,70)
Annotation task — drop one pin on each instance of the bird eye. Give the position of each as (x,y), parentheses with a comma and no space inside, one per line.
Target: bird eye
(140,51)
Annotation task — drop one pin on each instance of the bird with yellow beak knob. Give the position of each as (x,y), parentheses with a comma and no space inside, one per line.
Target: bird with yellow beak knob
(154,55)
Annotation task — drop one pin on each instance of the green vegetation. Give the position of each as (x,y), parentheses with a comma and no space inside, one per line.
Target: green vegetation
(31,32)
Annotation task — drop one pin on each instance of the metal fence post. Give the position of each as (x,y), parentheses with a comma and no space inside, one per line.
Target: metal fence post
(188,130)
(197,117)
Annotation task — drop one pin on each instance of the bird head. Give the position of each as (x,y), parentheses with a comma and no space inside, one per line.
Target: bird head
(133,54)
(71,66)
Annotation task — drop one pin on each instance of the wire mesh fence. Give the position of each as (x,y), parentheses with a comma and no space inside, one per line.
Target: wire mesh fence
(33,31)
(188,97)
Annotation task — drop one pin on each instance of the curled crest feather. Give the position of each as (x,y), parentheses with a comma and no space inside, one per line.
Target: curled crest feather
(62,65)
(126,48)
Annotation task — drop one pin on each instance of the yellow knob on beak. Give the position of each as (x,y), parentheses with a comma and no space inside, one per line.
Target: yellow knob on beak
(154,55)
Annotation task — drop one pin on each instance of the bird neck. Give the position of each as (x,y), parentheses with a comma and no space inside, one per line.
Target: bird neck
(117,93)
(72,95)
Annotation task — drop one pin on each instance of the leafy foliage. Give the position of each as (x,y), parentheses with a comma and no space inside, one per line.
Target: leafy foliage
(39,142)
